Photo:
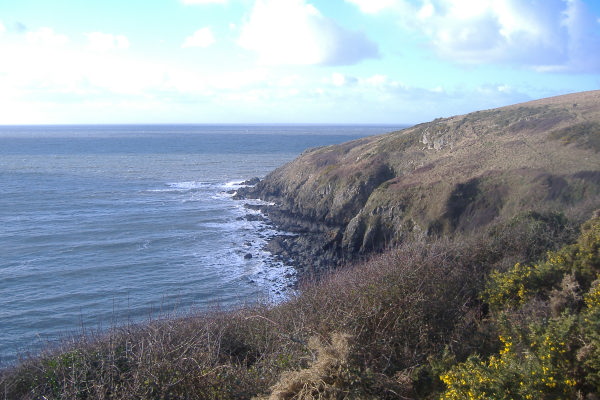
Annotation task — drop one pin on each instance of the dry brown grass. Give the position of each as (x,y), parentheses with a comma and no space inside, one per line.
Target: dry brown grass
(326,378)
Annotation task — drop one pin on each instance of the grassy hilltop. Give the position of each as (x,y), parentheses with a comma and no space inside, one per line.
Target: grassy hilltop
(479,277)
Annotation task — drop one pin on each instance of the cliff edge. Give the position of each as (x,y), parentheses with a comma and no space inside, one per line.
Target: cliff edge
(450,175)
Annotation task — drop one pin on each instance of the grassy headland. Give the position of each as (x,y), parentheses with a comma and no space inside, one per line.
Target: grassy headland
(456,296)
(438,178)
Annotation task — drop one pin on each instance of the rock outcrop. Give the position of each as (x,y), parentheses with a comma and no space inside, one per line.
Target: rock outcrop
(450,175)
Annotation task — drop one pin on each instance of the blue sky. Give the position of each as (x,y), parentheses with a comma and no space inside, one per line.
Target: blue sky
(288,61)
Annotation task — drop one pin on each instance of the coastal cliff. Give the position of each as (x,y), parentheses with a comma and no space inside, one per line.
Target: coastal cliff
(451,175)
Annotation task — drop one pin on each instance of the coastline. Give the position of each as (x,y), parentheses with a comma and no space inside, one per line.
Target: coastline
(142,225)
(310,247)
(279,273)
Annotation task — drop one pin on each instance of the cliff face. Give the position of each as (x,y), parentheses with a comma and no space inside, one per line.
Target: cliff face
(450,175)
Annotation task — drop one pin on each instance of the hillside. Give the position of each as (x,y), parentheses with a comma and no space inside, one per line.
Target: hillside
(450,175)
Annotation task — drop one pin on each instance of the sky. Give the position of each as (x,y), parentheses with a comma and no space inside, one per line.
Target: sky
(288,61)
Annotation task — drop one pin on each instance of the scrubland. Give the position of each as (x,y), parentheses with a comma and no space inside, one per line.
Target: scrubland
(486,316)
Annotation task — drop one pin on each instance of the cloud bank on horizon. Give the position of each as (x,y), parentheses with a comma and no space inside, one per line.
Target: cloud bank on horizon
(286,61)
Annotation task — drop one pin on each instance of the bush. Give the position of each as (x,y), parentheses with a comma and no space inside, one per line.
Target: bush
(580,260)
(554,355)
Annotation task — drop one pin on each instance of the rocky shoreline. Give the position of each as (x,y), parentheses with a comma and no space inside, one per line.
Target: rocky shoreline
(310,247)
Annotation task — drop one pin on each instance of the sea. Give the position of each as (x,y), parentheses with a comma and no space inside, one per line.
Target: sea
(106,225)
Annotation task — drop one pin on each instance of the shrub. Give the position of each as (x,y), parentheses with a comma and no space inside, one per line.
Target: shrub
(580,260)
(541,357)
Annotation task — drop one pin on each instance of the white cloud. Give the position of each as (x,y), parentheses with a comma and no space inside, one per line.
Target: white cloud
(201,38)
(583,39)
(2,28)
(102,42)
(289,80)
(470,31)
(32,71)
(556,35)
(372,6)
(426,11)
(185,81)
(340,80)
(295,32)
(189,2)
(377,80)
(58,85)
(46,37)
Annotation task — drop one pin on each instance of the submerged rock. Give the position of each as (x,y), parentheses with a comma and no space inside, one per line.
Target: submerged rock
(251,182)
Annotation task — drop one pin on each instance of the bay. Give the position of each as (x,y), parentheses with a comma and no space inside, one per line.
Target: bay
(106,225)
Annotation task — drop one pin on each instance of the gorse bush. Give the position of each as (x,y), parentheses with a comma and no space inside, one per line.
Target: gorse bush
(584,134)
(536,367)
(580,261)
(553,354)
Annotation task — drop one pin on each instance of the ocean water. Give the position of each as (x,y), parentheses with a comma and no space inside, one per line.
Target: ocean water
(106,225)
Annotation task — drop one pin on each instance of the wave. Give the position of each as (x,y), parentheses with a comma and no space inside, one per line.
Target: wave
(246,230)
(181,187)
(191,186)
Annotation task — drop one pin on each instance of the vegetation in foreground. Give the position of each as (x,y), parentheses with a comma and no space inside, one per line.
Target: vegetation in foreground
(487,317)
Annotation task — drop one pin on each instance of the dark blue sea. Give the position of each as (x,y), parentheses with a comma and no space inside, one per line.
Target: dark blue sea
(107,225)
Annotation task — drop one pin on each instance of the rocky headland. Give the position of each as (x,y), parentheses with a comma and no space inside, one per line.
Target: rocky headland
(451,175)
